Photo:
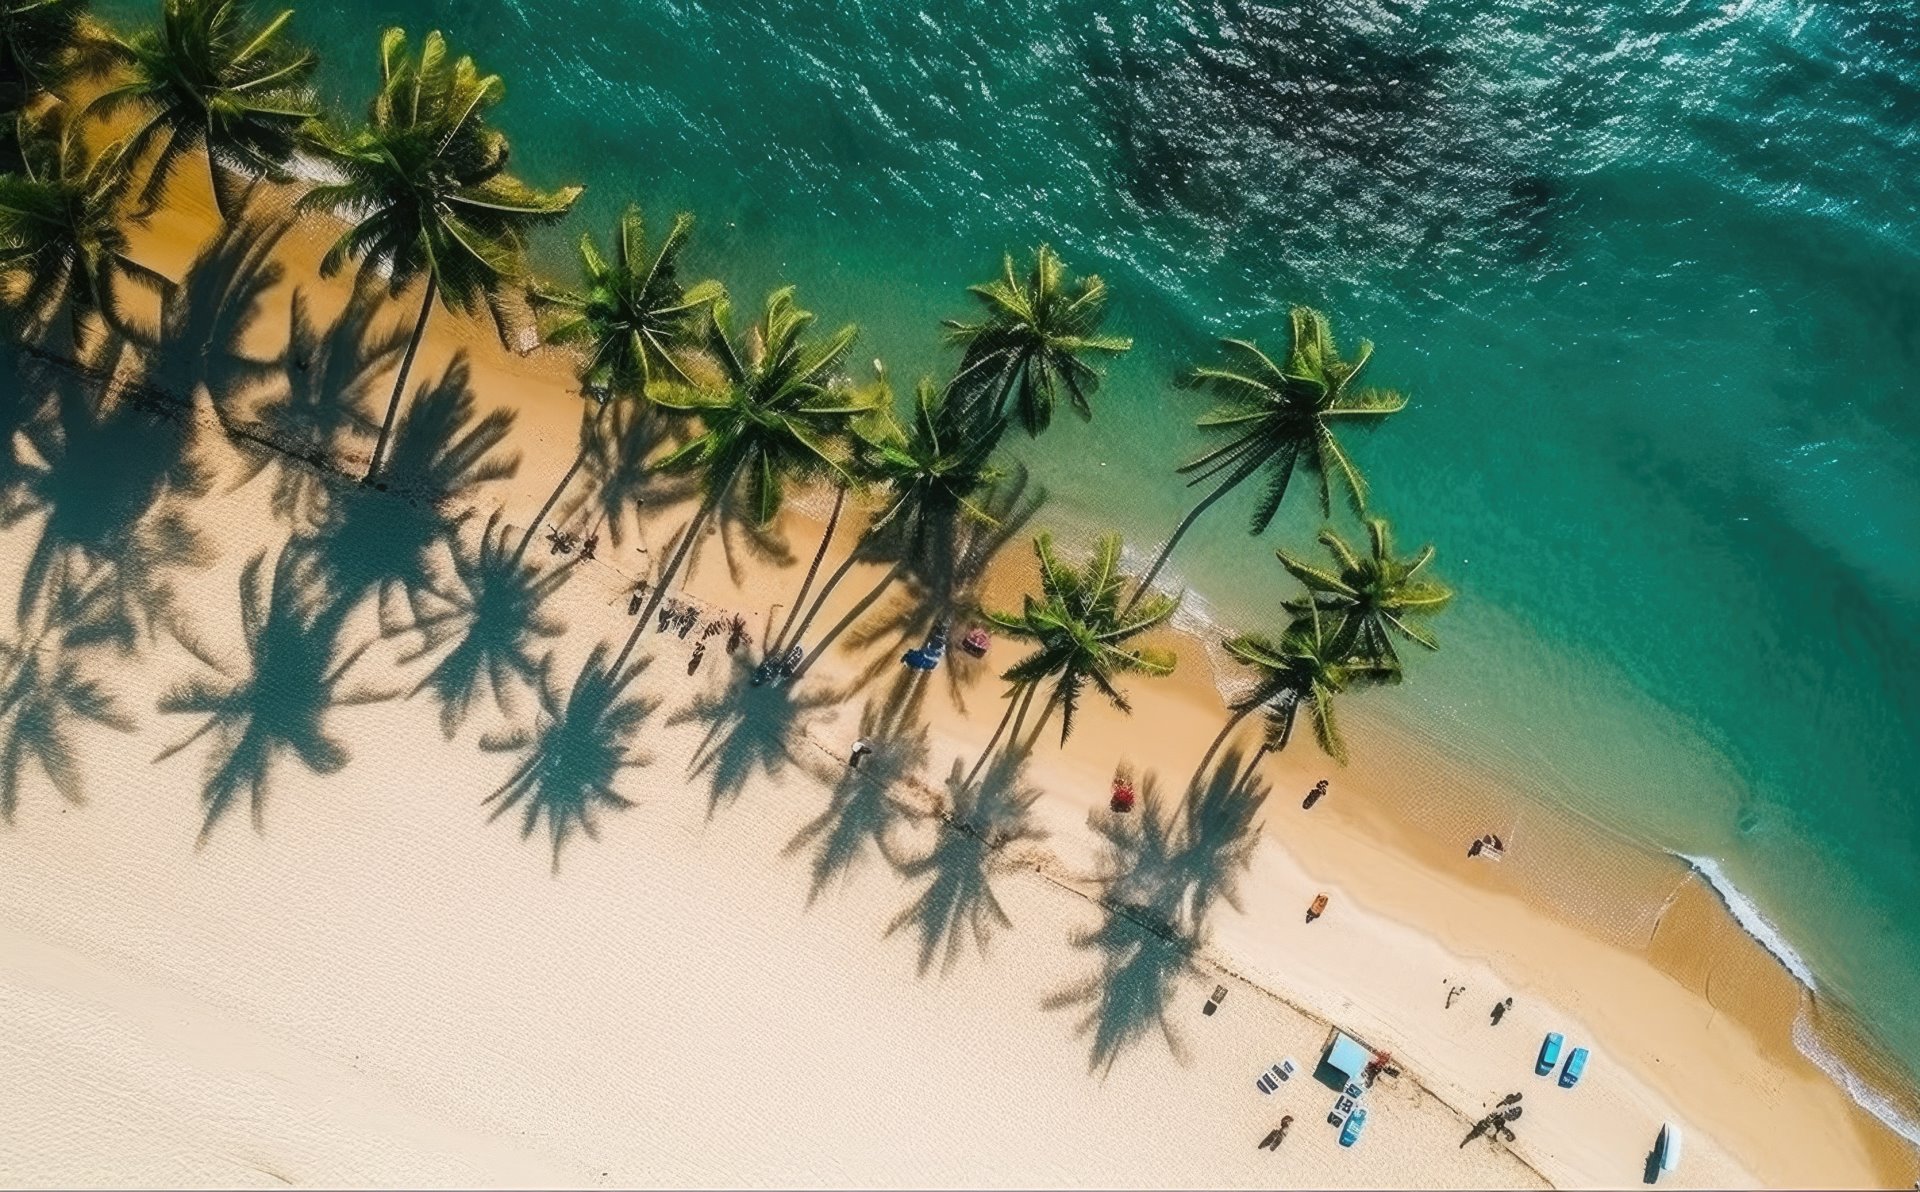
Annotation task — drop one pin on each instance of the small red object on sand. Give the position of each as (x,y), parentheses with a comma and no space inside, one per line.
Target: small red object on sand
(976,642)
(1122,795)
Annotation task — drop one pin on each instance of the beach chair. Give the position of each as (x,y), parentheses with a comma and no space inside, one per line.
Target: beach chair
(1575,1069)
(1549,1053)
(1350,1133)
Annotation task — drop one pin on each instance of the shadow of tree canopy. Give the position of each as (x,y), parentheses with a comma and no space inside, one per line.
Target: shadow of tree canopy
(289,629)
(108,469)
(575,754)
(749,729)
(386,542)
(327,379)
(496,616)
(619,480)
(944,583)
(43,693)
(200,342)
(862,808)
(23,404)
(958,901)
(1161,872)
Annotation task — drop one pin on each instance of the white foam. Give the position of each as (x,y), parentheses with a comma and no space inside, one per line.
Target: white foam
(1750,919)
(1865,1096)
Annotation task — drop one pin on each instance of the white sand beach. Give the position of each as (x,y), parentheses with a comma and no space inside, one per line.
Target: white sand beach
(380,986)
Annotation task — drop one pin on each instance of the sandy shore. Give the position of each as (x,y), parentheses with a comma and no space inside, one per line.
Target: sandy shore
(382,987)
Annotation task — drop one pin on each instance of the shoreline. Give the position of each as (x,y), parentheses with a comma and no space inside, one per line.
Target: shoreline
(1367,820)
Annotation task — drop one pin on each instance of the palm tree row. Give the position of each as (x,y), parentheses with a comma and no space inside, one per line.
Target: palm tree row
(423,189)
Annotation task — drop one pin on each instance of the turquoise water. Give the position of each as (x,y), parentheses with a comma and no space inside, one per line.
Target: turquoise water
(1652,278)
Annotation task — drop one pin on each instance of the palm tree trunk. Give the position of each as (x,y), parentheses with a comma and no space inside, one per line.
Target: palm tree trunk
(1180,531)
(1046,714)
(400,382)
(844,623)
(579,461)
(1015,699)
(666,577)
(1220,739)
(813,569)
(832,585)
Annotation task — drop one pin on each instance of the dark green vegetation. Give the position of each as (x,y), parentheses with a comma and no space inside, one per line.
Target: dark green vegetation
(681,398)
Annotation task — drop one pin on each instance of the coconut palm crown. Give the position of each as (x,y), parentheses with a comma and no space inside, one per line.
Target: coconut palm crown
(60,227)
(209,78)
(634,318)
(1081,637)
(1304,670)
(1371,599)
(1034,342)
(35,37)
(784,411)
(1280,416)
(425,183)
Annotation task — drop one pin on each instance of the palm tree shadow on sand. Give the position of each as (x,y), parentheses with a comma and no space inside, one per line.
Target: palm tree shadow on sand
(200,341)
(279,704)
(619,481)
(1161,874)
(319,415)
(44,694)
(575,753)
(863,808)
(749,729)
(979,822)
(943,586)
(496,616)
(389,541)
(110,472)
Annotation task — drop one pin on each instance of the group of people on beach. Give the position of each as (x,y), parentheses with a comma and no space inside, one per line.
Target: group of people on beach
(683,616)
(563,542)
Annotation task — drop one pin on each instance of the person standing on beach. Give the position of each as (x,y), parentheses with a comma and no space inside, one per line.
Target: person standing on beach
(1500,1010)
(861,749)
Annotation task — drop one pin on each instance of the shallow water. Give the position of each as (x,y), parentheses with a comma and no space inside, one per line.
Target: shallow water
(1651,277)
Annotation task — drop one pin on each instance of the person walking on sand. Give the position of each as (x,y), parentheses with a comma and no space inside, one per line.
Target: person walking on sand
(699,652)
(861,749)
(1500,1011)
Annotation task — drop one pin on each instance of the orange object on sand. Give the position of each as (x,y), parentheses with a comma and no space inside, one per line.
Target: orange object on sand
(1318,908)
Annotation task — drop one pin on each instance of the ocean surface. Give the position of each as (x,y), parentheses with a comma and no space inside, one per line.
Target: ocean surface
(1651,274)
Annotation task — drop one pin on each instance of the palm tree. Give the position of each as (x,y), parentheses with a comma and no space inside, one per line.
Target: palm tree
(1034,342)
(60,227)
(1303,670)
(426,185)
(935,476)
(634,320)
(853,473)
(577,753)
(1280,417)
(210,79)
(1080,634)
(780,414)
(1373,599)
(36,38)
